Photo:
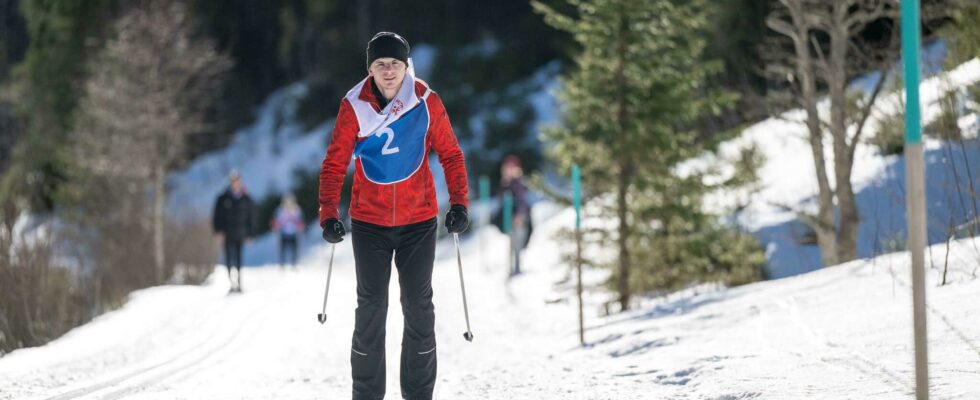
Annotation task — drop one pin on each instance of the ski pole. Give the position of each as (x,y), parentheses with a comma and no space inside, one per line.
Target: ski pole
(468,335)
(322,316)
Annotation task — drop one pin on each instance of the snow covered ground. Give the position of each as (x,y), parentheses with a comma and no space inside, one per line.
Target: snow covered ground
(839,333)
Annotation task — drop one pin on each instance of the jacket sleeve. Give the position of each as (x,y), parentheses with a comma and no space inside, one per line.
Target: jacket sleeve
(450,155)
(335,163)
(218,218)
(252,219)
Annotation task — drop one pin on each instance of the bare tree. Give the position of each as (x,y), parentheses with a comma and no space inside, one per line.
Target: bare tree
(146,94)
(825,51)
(799,68)
(843,21)
(822,46)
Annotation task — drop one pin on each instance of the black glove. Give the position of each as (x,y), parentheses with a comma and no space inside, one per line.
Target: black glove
(333,230)
(456,219)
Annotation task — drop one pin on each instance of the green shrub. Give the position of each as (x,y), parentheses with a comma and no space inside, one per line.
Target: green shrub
(945,125)
(889,137)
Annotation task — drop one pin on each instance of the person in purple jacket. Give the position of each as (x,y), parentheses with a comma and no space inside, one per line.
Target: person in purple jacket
(288,222)
(512,181)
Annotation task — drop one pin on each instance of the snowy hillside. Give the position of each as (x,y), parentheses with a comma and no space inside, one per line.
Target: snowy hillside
(842,332)
(788,179)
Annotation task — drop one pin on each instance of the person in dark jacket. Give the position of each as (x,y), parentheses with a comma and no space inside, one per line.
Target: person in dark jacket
(234,224)
(390,121)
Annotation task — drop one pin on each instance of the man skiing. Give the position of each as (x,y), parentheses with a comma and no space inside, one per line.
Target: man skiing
(234,224)
(389,122)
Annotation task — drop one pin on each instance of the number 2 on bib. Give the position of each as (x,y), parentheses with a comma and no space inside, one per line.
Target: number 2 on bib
(386,150)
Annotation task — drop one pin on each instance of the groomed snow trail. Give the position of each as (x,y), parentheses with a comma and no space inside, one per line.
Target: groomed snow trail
(839,333)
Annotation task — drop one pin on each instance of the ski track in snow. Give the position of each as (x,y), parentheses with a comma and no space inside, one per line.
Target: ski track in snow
(838,333)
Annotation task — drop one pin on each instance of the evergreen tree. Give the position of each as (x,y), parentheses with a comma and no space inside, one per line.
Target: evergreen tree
(46,92)
(963,34)
(631,106)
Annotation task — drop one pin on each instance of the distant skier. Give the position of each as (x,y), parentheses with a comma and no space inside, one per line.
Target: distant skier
(390,121)
(512,182)
(234,224)
(288,222)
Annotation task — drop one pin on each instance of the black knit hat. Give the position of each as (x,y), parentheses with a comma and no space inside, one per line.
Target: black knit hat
(387,44)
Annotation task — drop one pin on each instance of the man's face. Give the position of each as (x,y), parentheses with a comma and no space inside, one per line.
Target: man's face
(388,73)
(236,184)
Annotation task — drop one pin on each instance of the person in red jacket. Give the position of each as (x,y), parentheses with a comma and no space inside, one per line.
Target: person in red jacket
(389,122)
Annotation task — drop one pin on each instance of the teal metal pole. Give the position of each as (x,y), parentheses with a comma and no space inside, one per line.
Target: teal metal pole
(911,40)
(484,189)
(577,200)
(915,182)
(508,211)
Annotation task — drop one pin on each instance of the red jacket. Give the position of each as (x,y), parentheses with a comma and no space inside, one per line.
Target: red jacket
(406,202)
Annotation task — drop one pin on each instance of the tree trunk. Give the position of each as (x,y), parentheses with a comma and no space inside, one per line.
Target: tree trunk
(843,162)
(824,226)
(849,216)
(623,285)
(159,198)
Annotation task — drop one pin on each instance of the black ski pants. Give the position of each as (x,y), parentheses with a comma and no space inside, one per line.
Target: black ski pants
(288,248)
(413,249)
(233,254)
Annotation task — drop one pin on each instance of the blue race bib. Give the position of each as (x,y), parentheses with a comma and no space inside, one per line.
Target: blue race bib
(394,153)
